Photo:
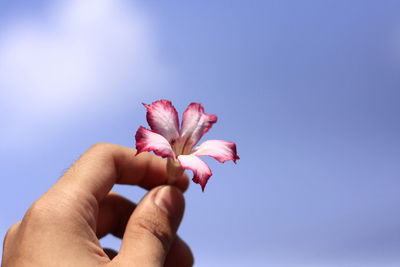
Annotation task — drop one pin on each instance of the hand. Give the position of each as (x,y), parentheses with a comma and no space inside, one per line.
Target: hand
(62,228)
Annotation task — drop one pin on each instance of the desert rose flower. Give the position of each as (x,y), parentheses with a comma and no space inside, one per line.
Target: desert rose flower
(176,142)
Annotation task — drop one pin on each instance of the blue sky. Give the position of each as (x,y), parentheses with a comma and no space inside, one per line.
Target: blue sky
(309,91)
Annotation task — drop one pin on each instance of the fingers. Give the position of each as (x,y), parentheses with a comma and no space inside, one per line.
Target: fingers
(151,229)
(114,213)
(104,165)
(8,241)
(179,254)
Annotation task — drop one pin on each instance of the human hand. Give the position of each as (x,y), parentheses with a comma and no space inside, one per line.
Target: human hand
(62,228)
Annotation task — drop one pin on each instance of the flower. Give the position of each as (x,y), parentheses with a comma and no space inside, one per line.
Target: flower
(169,140)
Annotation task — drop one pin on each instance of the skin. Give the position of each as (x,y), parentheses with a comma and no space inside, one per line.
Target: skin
(64,226)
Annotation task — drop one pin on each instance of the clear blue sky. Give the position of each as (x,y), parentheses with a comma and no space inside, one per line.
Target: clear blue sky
(309,91)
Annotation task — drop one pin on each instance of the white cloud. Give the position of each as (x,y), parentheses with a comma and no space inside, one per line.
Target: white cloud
(74,57)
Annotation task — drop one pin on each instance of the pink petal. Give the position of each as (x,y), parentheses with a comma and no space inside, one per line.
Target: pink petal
(200,169)
(163,119)
(147,140)
(219,149)
(195,123)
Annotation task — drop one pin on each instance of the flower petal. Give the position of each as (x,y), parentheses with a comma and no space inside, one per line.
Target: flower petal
(200,169)
(195,123)
(147,140)
(219,149)
(163,119)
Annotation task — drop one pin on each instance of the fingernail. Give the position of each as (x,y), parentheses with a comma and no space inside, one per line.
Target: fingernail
(165,199)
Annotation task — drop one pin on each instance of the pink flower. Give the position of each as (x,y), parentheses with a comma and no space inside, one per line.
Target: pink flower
(169,140)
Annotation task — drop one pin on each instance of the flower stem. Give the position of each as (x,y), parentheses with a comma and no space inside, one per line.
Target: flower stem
(174,170)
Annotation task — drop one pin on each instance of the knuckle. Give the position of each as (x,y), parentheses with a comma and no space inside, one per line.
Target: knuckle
(37,212)
(101,147)
(10,233)
(152,228)
(45,211)
(14,227)
(99,151)
(35,209)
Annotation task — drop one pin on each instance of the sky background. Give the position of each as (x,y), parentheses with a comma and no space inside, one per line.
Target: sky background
(309,91)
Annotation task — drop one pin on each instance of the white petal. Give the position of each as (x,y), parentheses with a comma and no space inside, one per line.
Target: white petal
(219,149)
(163,119)
(201,171)
(195,123)
(147,140)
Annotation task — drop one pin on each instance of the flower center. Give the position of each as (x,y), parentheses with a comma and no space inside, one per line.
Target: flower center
(180,147)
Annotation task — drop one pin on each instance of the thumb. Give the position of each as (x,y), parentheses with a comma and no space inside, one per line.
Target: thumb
(152,227)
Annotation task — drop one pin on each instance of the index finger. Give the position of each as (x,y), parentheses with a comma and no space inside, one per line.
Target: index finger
(104,165)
